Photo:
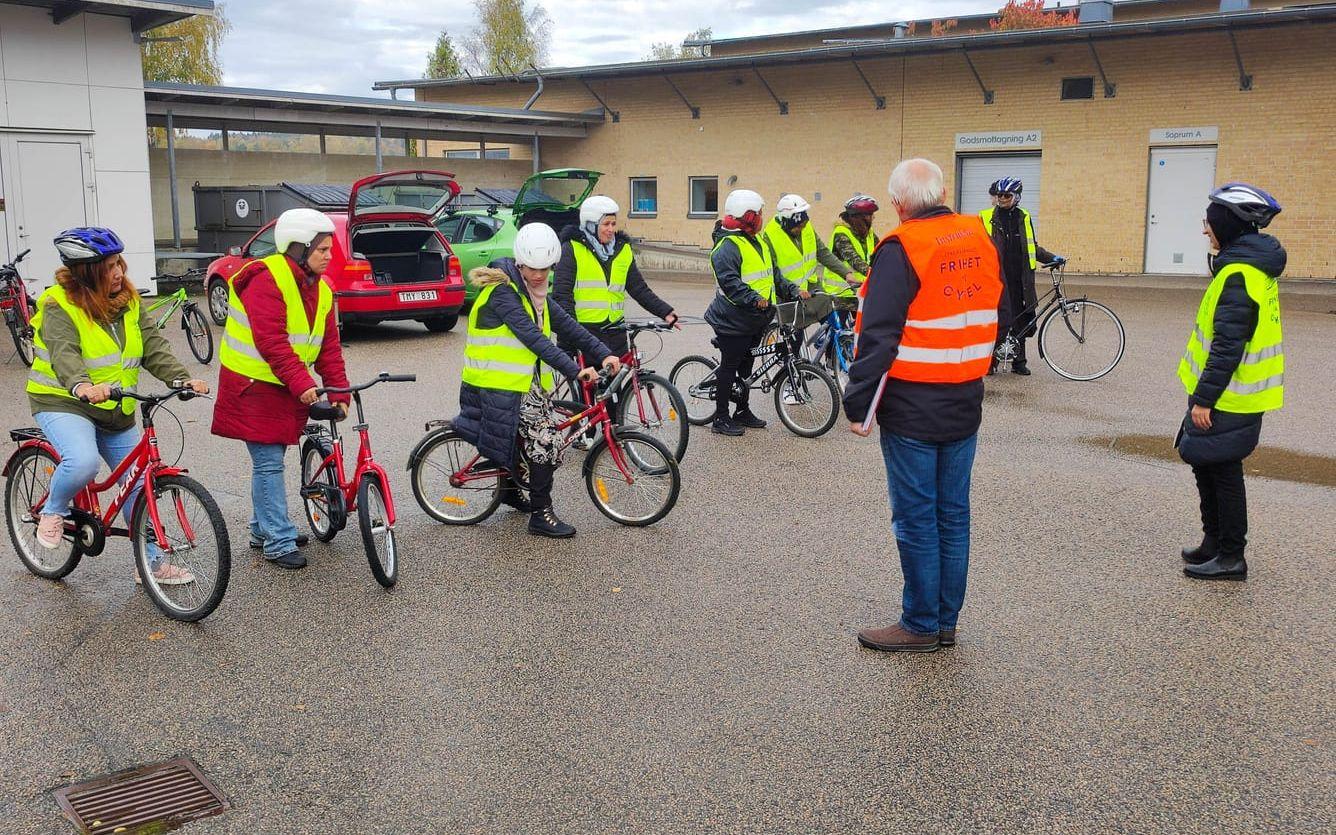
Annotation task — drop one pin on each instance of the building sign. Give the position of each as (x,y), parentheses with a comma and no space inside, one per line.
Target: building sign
(998,140)
(243,208)
(1184,136)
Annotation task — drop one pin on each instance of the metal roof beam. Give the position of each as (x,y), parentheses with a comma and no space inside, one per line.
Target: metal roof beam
(62,12)
(880,101)
(1110,89)
(695,111)
(783,105)
(987,94)
(1245,80)
(616,114)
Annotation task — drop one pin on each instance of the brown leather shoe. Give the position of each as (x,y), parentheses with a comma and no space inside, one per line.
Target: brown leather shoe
(947,637)
(897,639)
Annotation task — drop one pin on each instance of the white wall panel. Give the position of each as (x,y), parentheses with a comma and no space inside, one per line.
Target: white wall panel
(113,56)
(45,106)
(35,49)
(120,140)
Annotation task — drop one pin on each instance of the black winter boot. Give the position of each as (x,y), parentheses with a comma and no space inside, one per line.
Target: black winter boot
(545,523)
(1205,552)
(724,425)
(1219,568)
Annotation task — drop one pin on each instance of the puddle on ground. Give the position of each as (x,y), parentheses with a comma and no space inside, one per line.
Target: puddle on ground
(1266,461)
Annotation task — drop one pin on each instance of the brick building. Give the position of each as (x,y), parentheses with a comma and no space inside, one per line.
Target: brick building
(1118,125)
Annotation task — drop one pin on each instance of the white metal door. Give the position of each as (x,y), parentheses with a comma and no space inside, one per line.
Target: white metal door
(978,171)
(48,188)
(1180,179)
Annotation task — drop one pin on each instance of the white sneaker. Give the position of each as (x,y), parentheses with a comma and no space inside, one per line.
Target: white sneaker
(168,575)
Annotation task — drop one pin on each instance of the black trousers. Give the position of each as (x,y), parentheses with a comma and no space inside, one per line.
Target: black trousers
(1224,507)
(540,485)
(1014,290)
(735,360)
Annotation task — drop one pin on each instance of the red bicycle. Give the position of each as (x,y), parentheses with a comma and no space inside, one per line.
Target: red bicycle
(18,306)
(632,477)
(329,498)
(175,521)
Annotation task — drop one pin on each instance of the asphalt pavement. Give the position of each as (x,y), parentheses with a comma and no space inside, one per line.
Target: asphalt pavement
(702,675)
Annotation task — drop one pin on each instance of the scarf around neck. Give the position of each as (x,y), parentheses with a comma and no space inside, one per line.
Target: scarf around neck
(601,250)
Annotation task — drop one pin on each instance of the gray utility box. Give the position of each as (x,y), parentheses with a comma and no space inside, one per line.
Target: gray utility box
(228,216)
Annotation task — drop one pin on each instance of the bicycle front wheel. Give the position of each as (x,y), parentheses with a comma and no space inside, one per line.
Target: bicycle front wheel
(808,402)
(373,516)
(185,573)
(28,484)
(1082,340)
(441,484)
(693,377)
(634,481)
(198,334)
(656,408)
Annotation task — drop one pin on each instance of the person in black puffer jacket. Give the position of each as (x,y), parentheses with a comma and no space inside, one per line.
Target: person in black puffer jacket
(1233,371)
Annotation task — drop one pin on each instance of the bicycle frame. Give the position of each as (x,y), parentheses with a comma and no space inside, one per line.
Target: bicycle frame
(173,303)
(366,463)
(631,361)
(831,330)
(14,295)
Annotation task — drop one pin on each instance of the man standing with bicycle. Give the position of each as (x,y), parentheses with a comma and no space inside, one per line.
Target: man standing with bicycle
(926,330)
(1012,230)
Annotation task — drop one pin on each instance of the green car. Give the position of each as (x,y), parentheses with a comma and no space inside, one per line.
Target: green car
(480,235)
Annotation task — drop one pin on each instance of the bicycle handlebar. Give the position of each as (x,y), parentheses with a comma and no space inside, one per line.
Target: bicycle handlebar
(646,325)
(178,390)
(382,377)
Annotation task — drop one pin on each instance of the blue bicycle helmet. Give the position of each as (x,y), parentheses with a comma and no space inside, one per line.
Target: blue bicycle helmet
(1248,203)
(1006,185)
(86,244)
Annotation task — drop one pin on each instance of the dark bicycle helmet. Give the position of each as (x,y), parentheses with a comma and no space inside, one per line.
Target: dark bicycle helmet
(861,204)
(1006,185)
(86,244)
(1248,203)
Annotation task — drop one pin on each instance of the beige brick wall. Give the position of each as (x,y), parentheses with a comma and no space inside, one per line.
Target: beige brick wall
(1095,153)
(248,168)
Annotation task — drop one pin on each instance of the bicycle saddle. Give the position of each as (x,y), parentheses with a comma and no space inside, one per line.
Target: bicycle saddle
(324,410)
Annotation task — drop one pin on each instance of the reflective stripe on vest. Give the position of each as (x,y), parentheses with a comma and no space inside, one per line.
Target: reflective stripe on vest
(599,296)
(495,358)
(1258,384)
(834,283)
(951,326)
(757,270)
(794,264)
(106,361)
(238,351)
(1030,247)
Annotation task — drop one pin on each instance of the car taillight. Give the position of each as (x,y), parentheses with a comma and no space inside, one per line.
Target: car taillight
(453,272)
(358,267)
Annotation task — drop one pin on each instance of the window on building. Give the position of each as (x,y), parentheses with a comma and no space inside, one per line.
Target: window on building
(1078,88)
(498,153)
(472,154)
(704,197)
(644,197)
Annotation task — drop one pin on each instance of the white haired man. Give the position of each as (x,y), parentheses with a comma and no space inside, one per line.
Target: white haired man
(926,324)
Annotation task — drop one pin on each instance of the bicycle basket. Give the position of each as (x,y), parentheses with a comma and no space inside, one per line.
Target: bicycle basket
(805,312)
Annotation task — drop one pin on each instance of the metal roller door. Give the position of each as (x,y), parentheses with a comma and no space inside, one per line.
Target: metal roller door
(976,172)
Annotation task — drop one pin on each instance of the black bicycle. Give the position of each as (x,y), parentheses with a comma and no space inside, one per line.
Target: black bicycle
(807,398)
(1078,338)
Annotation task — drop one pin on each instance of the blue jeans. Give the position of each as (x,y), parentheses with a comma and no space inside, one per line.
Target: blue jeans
(930,513)
(269,501)
(83,447)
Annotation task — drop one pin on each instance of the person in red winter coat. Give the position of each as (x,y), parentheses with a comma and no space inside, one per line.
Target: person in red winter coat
(281,326)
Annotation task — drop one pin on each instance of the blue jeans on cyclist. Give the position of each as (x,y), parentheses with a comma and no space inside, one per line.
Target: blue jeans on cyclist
(930,512)
(270,525)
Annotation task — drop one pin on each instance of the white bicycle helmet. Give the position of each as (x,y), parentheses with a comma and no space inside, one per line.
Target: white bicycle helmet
(596,208)
(790,205)
(300,226)
(742,200)
(1247,202)
(537,246)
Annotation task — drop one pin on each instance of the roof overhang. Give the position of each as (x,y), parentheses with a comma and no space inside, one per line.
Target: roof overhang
(143,14)
(244,109)
(974,42)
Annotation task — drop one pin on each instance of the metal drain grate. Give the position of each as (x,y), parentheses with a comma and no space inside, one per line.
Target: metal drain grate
(162,795)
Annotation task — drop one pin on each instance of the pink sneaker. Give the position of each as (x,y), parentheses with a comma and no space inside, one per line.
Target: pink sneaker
(168,575)
(51,531)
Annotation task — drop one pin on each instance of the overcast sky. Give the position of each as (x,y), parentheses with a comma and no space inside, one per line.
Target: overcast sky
(343,46)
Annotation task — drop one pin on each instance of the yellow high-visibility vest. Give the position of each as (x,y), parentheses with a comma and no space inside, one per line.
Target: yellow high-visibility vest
(834,283)
(1258,384)
(495,358)
(106,361)
(600,297)
(757,270)
(796,262)
(238,351)
(1030,247)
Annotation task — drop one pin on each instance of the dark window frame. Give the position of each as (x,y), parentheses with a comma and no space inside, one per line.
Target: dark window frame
(1075,88)
(703,215)
(631,189)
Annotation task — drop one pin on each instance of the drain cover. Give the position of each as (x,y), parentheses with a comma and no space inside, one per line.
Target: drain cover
(163,795)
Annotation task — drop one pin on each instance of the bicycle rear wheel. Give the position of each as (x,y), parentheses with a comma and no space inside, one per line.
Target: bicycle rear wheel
(693,377)
(324,512)
(21,332)
(29,481)
(809,403)
(198,334)
(656,409)
(647,489)
(435,465)
(194,541)
(1082,340)
(382,550)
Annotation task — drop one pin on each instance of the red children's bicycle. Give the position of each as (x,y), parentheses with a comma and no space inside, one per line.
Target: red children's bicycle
(329,498)
(175,522)
(18,307)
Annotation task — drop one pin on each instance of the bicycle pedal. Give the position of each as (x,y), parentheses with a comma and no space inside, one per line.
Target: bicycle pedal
(313,491)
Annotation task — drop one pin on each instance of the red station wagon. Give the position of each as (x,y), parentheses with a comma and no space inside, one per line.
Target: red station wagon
(390,261)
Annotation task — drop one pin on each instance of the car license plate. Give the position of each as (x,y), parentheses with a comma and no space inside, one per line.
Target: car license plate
(418,296)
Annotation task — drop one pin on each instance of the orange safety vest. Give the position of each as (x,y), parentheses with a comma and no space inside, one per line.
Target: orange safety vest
(952,323)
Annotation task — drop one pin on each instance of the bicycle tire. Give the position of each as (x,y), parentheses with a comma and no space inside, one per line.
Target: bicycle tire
(139,527)
(814,382)
(198,334)
(457,453)
(671,416)
(29,479)
(372,517)
(600,474)
(324,521)
(693,377)
(1064,312)
(22,335)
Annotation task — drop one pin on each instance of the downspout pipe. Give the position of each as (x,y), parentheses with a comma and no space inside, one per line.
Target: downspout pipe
(536,93)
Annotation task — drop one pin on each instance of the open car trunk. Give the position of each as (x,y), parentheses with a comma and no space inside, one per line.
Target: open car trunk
(554,197)
(400,254)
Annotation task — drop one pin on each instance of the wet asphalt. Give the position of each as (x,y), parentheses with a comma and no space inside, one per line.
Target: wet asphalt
(702,675)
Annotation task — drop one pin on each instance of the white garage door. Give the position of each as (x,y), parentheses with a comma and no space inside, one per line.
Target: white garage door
(978,171)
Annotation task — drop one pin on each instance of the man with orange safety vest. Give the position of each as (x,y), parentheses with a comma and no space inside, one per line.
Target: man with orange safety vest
(926,324)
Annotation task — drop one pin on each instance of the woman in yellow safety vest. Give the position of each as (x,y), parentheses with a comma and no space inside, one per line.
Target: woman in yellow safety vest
(1233,371)
(92,335)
